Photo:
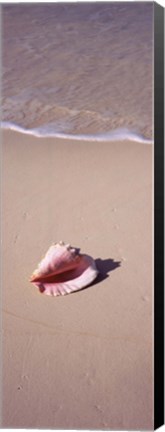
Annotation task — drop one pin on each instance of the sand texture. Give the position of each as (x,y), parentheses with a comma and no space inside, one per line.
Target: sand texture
(82,361)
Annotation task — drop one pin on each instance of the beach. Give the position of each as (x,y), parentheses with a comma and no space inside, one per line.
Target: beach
(84,360)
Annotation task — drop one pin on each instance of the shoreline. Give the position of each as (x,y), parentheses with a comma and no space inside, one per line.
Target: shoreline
(82,361)
(119,134)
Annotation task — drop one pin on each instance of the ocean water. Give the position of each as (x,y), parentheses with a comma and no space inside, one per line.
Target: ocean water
(80,70)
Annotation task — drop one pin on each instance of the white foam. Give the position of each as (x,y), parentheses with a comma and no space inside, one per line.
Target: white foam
(121,134)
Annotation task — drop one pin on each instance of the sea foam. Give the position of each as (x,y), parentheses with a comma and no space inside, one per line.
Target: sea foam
(120,134)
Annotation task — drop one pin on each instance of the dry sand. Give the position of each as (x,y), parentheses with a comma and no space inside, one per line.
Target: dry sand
(83,361)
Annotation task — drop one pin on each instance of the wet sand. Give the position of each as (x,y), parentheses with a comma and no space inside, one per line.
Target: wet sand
(83,361)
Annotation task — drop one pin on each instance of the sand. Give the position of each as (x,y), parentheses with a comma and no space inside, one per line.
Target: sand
(83,361)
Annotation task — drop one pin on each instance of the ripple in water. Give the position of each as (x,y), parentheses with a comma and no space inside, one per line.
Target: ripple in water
(82,69)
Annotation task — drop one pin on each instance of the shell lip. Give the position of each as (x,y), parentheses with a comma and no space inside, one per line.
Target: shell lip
(63,276)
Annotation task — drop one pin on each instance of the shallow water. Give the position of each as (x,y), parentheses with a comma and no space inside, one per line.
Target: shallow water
(78,69)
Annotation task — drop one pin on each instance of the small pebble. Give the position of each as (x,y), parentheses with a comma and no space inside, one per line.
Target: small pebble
(19,388)
(123,259)
(145,298)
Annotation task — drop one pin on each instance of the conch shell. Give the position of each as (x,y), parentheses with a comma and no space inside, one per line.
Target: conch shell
(64,270)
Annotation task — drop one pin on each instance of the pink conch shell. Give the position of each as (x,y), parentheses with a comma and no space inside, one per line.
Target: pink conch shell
(64,270)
